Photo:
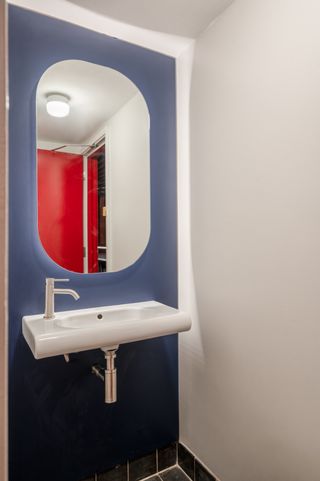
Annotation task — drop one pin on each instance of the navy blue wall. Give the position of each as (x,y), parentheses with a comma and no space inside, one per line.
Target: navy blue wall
(60,428)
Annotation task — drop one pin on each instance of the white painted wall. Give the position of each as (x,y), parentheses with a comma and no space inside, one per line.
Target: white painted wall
(128,183)
(250,369)
(183,84)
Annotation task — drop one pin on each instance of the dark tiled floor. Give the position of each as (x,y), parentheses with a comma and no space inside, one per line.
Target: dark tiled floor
(174,474)
(170,463)
(156,477)
(186,461)
(201,474)
(119,473)
(167,456)
(143,467)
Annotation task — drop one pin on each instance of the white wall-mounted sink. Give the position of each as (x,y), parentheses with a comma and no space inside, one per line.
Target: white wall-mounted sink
(101,327)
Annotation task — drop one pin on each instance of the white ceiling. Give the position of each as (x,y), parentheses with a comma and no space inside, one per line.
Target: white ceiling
(187,18)
(95,92)
(164,43)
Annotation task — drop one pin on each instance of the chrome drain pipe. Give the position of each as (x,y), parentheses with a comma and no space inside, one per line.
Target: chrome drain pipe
(108,375)
(110,378)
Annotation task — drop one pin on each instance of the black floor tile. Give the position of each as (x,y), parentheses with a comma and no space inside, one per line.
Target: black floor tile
(167,456)
(186,461)
(143,467)
(174,474)
(118,473)
(154,478)
(201,474)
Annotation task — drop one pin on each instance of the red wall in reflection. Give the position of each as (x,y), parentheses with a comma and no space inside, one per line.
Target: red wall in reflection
(60,211)
(93,215)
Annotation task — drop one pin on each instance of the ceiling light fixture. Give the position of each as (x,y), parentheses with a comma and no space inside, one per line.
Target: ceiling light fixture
(58,105)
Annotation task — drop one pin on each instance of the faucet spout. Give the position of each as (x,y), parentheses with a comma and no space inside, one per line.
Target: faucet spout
(69,292)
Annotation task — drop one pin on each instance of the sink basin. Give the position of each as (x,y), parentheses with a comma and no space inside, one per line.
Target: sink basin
(101,327)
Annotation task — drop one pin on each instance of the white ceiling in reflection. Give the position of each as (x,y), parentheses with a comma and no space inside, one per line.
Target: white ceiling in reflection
(95,92)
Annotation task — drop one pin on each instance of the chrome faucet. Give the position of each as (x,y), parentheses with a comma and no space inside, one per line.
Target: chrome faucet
(50,293)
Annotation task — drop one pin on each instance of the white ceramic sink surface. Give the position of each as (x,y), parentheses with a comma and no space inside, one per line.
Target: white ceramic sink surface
(84,329)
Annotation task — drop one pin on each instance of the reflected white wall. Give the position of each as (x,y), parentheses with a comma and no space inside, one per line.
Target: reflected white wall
(128,183)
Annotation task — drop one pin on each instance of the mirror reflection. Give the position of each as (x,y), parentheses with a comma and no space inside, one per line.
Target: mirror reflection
(93,167)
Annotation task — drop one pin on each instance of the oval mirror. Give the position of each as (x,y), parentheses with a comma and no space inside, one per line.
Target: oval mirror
(93,169)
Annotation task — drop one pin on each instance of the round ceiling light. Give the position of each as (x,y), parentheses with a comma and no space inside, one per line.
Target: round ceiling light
(58,105)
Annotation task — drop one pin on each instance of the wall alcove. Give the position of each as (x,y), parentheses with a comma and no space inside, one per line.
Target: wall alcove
(59,426)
